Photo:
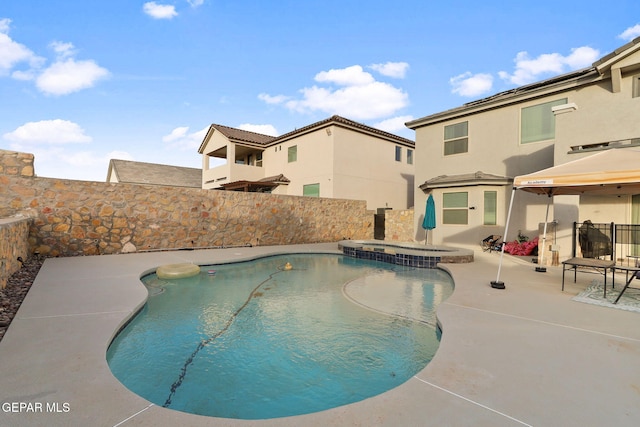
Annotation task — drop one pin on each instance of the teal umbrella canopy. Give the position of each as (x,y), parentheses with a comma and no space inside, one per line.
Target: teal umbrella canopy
(429,221)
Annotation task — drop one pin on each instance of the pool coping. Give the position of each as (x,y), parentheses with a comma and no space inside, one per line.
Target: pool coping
(507,357)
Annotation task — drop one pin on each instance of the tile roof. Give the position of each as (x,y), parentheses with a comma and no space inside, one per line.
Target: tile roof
(467,179)
(341,121)
(130,172)
(235,134)
(587,75)
(239,135)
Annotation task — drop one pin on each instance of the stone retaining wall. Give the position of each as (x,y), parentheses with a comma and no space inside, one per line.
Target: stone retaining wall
(398,225)
(15,163)
(14,234)
(89,218)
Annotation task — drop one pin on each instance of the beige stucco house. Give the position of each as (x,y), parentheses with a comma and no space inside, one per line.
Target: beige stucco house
(333,158)
(468,156)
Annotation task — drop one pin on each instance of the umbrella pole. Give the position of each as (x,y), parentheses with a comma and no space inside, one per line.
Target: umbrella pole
(544,239)
(497,284)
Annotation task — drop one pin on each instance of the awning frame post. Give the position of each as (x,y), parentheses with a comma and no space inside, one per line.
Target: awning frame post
(497,284)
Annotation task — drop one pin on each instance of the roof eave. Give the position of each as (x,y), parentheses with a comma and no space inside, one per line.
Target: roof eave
(206,138)
(547,87)
(344,123)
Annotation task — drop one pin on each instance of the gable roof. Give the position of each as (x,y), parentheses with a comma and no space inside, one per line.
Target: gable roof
(254,138)
(130,172)
(340,121)
(243,135)
(598,71)
(236,135)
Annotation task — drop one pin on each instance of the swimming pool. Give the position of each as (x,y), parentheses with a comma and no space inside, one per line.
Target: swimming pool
(254,341)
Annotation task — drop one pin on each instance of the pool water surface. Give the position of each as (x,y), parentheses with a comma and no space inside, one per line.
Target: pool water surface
(252,340)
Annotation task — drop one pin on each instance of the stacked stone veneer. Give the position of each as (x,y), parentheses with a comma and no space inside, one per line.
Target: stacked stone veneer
(14,234)
(398,225)
(16,164)
(89,218)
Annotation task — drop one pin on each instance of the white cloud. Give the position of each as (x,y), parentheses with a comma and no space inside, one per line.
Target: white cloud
(397,70)
(24,75)
(13,53)
(195,3)
(5,24)
(64,76)
(61,162)
(176,134)
(48,132)
(159,11)
(468,84)
(63,50)
(82,159)
(394,124)
(350,76)
(278,99)
(181,138)
(263,129)
(531,69)
(68,76)
(360,98)
(630,33)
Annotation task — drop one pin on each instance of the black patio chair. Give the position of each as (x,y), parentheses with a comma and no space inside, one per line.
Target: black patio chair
(491,243)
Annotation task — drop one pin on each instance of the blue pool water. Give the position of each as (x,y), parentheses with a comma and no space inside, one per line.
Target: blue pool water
(253,341)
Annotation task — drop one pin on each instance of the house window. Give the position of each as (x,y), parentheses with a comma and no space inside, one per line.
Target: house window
(636,86)
(490,207)
(398,154)
(455,208)
(409,156)
(538,123)
(311,190)
(293,154)
(456,138)
(259,160)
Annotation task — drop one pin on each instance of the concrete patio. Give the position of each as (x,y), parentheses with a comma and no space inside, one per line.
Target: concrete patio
(526,355)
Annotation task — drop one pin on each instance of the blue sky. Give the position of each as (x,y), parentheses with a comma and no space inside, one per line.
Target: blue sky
(85,81)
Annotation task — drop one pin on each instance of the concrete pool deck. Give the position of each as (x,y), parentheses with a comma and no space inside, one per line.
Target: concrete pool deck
(526,355)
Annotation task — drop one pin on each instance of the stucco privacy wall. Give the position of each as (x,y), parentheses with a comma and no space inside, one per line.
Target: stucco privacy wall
(87,218)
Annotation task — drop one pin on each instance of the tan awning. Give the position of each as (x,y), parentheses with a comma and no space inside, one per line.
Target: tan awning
(615,171)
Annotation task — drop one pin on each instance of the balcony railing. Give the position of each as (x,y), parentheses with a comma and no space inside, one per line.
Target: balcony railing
(226,173)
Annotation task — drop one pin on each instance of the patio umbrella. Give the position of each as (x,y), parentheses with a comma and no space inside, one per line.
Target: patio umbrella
(429,221)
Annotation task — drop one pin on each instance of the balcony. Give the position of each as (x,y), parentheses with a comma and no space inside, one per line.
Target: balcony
(215,177)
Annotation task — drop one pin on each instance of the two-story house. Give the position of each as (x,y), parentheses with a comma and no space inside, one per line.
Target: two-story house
(468,156)
(333,158)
